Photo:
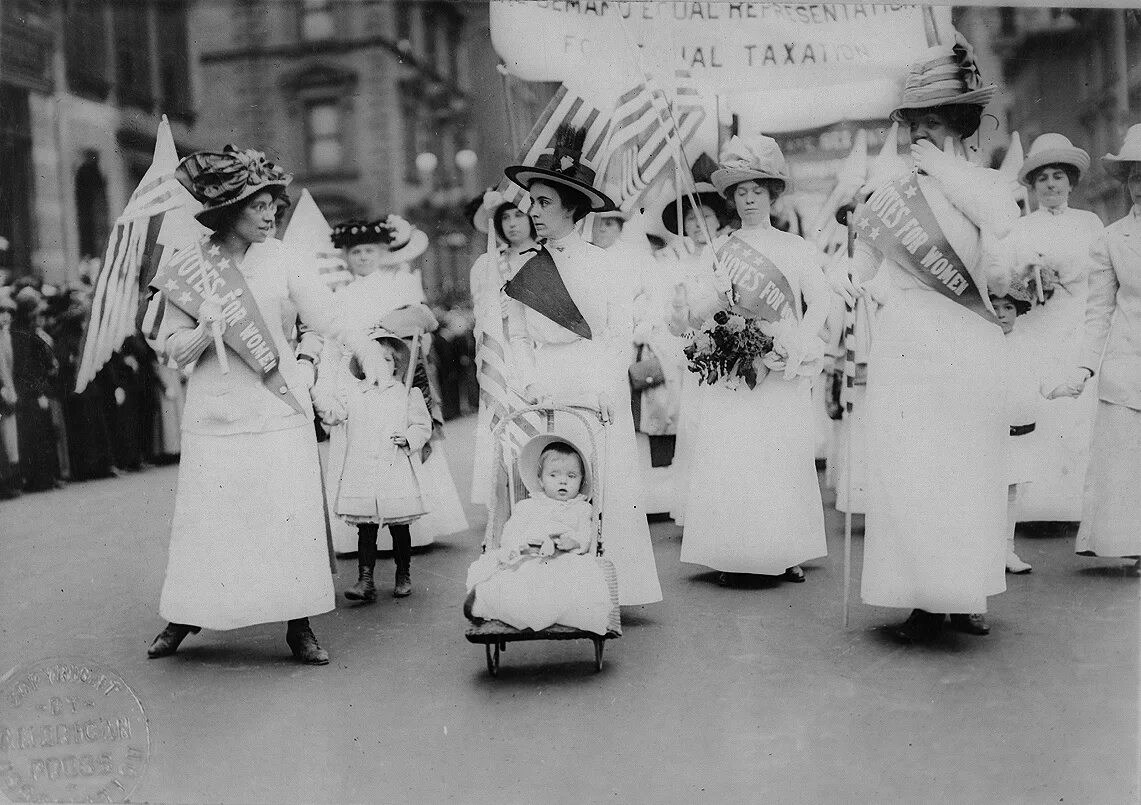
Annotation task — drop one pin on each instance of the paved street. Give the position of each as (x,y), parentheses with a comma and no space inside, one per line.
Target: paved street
(747,694)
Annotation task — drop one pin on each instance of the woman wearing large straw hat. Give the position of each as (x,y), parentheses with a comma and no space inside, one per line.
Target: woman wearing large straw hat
(754,504)
(570,333)
(378,254)
(514,235)
(1064,236)
(936,505)
(248,539)
(1112,505)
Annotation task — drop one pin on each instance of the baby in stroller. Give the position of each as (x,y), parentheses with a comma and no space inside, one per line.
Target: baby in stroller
(544,571)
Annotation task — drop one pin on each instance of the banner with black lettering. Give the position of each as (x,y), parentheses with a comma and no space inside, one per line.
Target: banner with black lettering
(195,272)
(898,221)
(759,287)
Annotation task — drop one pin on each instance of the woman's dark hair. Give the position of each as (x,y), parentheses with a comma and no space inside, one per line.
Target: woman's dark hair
(497,219)
(224,218)
(1070,171)
(962,118)
(774,186)
(573,200)
(1021,307)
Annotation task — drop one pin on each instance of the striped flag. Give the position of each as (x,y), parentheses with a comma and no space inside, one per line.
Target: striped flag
(310,234)
(643,142)
(133,255)
(565,107)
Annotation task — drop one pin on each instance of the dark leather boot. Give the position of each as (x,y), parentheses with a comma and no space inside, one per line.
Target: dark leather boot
(402,555)
(303,643)
(364,589)
(920,627)
(169,639)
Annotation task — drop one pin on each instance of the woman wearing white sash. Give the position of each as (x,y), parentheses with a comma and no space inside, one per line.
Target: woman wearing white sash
(936,517)
(1064,236)
(754,504)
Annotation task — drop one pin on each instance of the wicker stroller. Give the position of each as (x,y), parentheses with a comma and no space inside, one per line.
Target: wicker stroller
(495,634)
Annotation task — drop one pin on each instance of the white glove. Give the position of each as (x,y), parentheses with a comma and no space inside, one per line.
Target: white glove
(210,316)
(306,374)
(843,281)
(1073,384)
(605,407)
(491,200)
(930,159)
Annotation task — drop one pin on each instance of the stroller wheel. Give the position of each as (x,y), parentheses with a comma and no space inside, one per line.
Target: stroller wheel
(492,657)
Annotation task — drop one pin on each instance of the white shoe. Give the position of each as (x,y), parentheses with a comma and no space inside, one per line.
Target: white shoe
(1016,565)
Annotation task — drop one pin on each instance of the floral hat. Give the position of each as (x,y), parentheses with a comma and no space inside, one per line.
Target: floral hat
(944,78)
(403,241)
(563,165)
(1117,165)
(220,180)
(1053,149)
(745,158)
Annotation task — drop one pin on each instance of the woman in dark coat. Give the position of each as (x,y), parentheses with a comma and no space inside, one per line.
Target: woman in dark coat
(34,371)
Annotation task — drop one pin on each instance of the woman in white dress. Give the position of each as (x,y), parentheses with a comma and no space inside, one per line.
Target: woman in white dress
(515,234)
(378,254)
(1112,506)
(1064,236)
(688,264)
(580,354)
(937,490)
(756,508)
(248,539)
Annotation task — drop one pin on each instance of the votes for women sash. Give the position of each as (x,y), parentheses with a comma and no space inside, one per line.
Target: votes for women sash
(898,221)
(194,273)
(759,287)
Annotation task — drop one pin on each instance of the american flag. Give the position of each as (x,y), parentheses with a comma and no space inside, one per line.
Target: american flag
(310,234)
(643,142)
(565,107)
(133,254)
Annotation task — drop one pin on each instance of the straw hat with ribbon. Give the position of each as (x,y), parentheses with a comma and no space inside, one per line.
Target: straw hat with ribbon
(1118,165)
(221,180)
(403,241)
(944,78)
(563,166)
(529,462)
(1053,149)
(746,158)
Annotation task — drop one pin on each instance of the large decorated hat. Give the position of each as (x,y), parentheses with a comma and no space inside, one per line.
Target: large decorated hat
(403,241)
(529,463)
(1053,149)
(1117,165)
(944,78)
(705,193)
(220,180)
(746,158)
(563,165)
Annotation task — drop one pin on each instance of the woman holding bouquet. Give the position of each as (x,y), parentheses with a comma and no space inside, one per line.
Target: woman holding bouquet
(755,504)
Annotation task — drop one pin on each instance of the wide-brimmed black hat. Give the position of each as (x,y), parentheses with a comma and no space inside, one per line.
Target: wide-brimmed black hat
(707,195)
(563,165)
(220,180)
(403,241)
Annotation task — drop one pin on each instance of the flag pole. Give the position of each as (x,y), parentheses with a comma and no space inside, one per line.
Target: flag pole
(849,357)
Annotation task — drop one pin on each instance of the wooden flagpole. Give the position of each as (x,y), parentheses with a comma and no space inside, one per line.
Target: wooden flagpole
(848,444)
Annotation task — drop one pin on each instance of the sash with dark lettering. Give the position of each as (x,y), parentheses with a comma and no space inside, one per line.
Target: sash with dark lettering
(194,272)
(759,287)
(898,221)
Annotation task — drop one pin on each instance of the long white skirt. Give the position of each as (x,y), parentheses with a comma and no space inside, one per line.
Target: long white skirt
(937,490)
(757,508)
(688,425)
(1111,517)
(569,370)
(445,511)
(248,541)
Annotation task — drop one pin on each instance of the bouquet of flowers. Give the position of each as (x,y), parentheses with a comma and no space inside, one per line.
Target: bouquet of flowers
(731,348)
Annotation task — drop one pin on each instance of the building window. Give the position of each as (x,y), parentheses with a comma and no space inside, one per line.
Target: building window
(91,208)
(432,20)
(132,55)
(17,199)
(454,34)
(317,20)
(85,48)
(324,130)
(174,59)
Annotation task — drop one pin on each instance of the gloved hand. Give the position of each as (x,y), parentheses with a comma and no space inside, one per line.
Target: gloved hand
(306,374)
(1072,385)
(932,160)
(843,281)
(210,316)
(491,201)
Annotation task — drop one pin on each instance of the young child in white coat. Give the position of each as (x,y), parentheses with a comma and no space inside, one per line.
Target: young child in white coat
(542,573)
(1022,406)
(379,485)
